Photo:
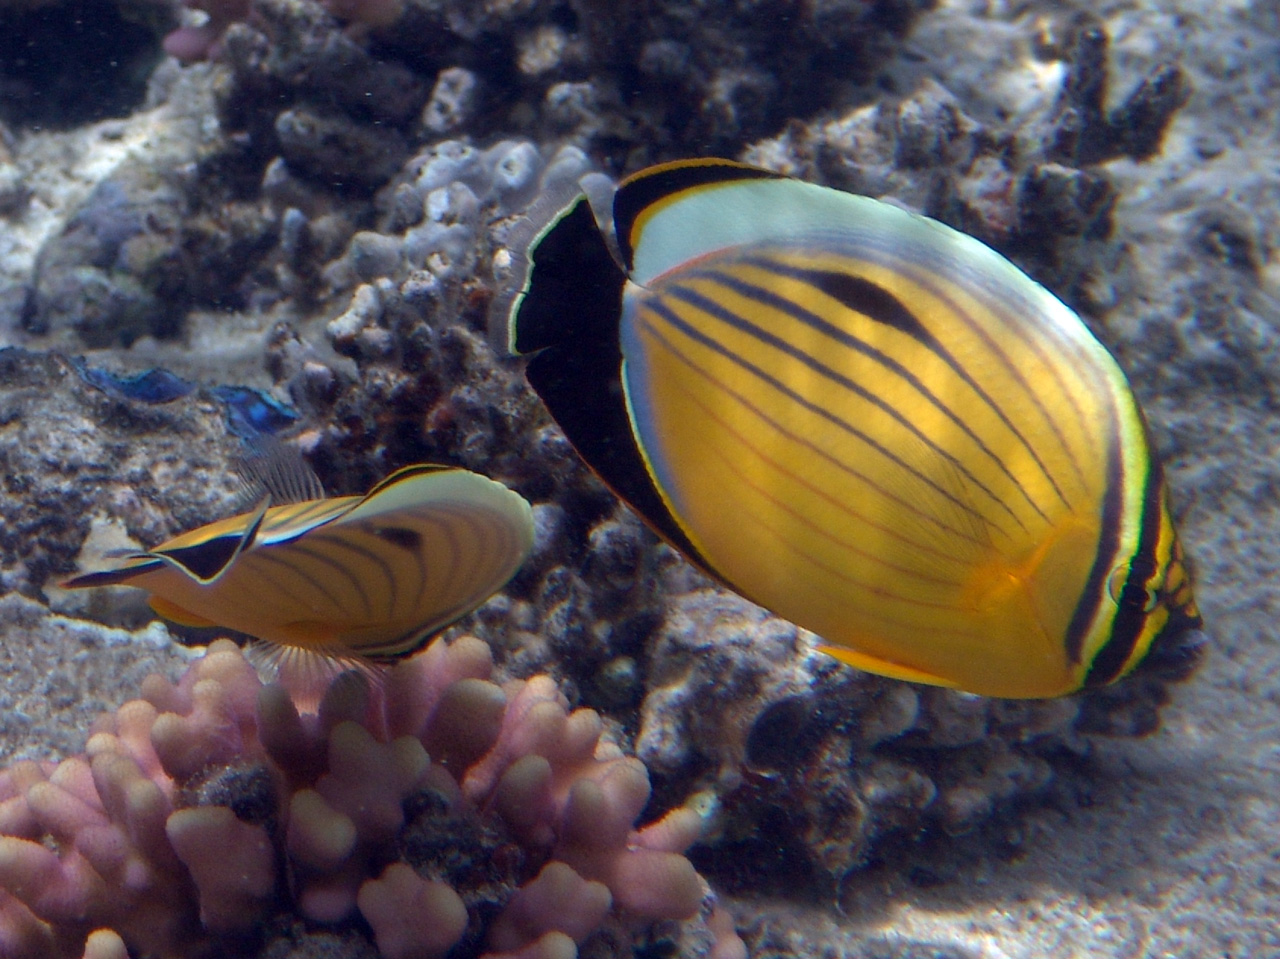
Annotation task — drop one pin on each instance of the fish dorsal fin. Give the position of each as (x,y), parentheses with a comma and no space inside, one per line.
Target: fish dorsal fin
(402,490)
(399,477)
(206,561)
(276,469)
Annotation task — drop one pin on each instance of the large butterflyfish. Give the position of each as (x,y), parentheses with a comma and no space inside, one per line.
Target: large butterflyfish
(863,420)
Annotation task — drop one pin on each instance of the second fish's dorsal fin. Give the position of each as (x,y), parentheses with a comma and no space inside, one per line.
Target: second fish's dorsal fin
(276,469)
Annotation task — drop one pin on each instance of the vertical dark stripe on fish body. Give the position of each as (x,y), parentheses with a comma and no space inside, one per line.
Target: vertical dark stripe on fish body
(1131,614)
(1104,559)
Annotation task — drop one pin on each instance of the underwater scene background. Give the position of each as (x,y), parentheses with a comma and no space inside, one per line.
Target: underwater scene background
(293,218)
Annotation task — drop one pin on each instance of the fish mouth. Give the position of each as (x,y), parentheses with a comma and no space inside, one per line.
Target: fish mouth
(1177,651)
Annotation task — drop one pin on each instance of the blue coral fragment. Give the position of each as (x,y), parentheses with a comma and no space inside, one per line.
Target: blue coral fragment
(154,386)
(251,413)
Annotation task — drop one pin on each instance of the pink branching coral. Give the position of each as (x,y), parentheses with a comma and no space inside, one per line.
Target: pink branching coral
(437,806)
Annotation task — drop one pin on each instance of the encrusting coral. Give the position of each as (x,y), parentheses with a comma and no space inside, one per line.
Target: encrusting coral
(438,806)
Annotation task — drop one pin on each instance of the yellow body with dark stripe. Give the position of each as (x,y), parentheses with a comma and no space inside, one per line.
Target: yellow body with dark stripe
(867,422)
(371,576)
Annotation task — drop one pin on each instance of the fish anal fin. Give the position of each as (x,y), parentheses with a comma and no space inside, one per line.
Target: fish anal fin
(176,614)
(883,667)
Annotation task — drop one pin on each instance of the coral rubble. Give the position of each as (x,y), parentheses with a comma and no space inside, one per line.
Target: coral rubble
(667,77)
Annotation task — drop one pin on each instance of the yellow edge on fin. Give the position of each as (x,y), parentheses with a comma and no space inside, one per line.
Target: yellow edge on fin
(882,667)
(176,614)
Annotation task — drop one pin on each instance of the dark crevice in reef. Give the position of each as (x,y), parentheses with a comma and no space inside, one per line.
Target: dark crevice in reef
(71,63)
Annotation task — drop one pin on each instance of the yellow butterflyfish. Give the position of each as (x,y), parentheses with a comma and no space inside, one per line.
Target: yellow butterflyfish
(341,581)
(863,420)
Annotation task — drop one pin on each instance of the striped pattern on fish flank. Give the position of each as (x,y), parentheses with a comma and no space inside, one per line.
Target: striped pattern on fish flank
(823,314)
(792,309)
(371,594)
(414,592)
(870,423)
(681,325)
(863,297)
(1085,615)
(356,577)
(777,322)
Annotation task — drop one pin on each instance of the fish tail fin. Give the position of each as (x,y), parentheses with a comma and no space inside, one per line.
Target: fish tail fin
(583,203)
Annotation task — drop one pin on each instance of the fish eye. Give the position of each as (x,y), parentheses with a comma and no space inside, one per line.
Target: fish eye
(1124,595)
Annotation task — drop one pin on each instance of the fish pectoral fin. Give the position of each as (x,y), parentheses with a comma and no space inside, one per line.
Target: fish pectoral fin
(1059,571)
(176,614)
(1045,583)
(883,667)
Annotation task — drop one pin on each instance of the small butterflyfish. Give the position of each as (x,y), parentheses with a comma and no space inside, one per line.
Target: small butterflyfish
(325,584)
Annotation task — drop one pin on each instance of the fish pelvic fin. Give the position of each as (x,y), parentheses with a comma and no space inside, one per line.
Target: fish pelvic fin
(883,667)
(308,669)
